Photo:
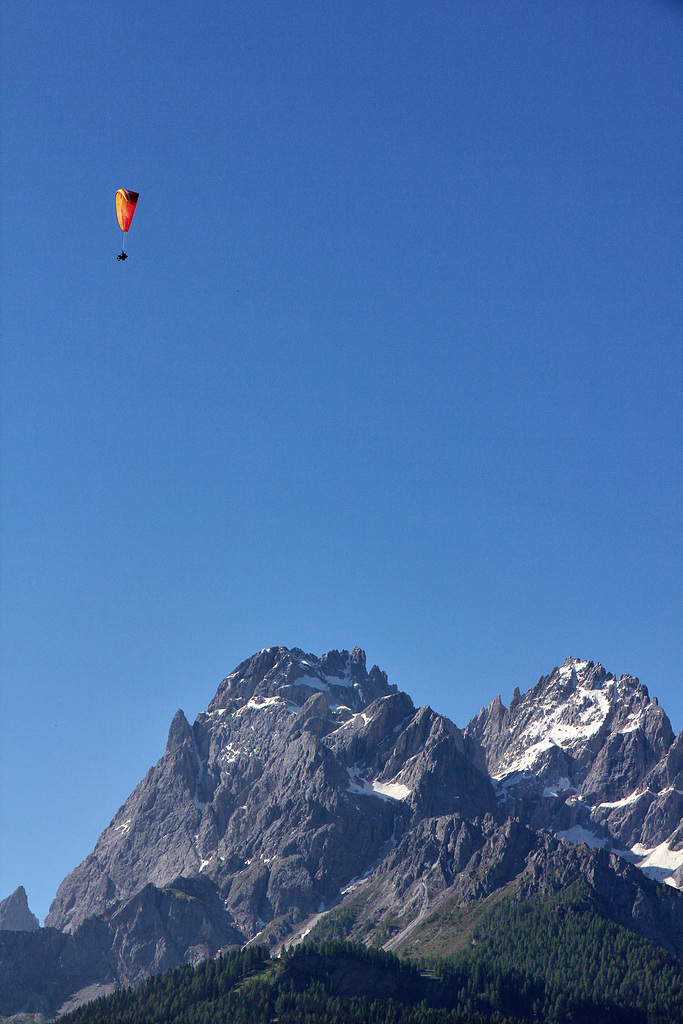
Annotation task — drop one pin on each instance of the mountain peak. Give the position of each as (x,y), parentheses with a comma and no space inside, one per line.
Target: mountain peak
(587,754)
(293,676)
(15,915)
(569,712)
(179,731)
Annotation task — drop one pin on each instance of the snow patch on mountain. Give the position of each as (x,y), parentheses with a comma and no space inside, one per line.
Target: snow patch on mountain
(577,834)
(658,863)
(392,790)
(624,802)
(385,790)
(562,785)
(259,703)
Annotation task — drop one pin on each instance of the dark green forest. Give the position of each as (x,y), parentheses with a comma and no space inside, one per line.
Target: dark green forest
(335,983)
(550,959)
(555,959)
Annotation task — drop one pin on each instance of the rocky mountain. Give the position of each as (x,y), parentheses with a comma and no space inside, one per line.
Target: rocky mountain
(15,914)
(301,775)
(311,790)
(593,759)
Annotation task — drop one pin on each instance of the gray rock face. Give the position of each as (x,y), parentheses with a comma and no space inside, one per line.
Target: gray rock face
(158,929)
(15,915)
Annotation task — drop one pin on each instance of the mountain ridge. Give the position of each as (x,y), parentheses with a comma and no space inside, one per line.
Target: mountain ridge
(310,785)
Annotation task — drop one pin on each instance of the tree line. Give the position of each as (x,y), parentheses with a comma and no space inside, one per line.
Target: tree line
(545,959)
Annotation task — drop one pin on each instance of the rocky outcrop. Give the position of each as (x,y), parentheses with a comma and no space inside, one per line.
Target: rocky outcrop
(15,914)
(160,928)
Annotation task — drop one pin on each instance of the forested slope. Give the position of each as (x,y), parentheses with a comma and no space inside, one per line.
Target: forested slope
(542,960)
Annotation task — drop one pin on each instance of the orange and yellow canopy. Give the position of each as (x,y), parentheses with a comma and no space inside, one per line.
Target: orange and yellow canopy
(125,207)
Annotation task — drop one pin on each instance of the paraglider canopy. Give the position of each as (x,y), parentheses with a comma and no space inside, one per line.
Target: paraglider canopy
(126,202)
(125,207)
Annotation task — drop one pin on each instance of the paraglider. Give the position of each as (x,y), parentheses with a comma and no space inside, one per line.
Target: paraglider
(126,202)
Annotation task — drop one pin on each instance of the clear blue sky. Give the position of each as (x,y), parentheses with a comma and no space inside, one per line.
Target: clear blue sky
(395,361)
